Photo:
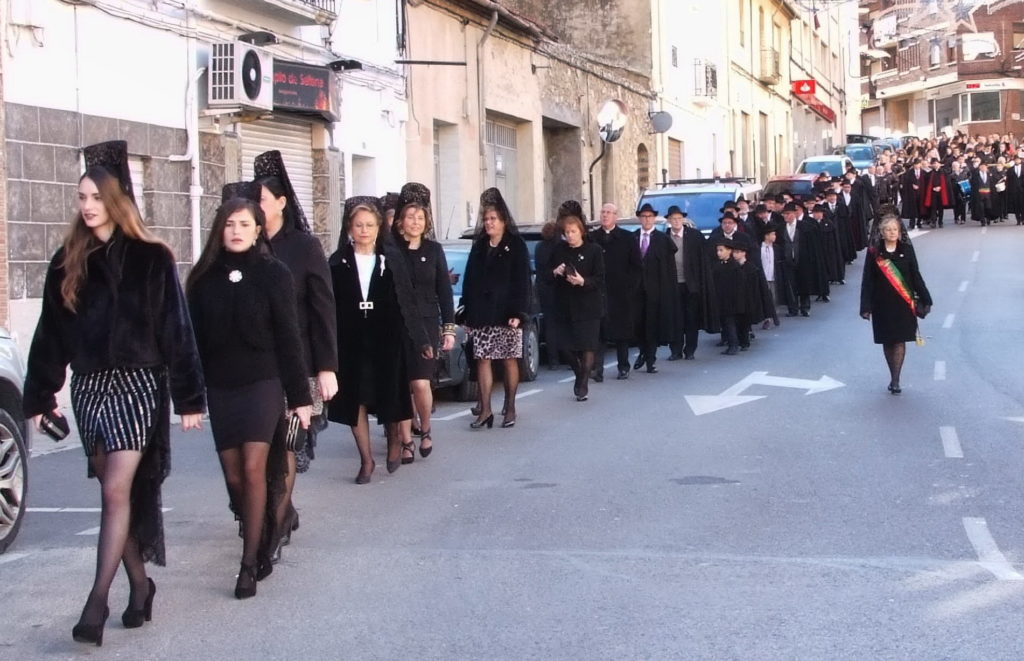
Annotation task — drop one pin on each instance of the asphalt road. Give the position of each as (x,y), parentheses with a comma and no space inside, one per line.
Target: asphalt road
(840,524)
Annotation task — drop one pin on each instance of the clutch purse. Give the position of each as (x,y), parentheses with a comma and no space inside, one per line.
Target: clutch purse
(460,315)
(295,437)
(54,426)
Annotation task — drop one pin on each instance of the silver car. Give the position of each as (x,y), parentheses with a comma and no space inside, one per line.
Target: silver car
(15,442)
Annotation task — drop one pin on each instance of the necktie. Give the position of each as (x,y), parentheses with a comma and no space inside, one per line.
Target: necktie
(643,244)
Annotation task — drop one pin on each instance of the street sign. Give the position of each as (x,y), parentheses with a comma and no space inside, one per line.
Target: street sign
(804,87)
(701,404)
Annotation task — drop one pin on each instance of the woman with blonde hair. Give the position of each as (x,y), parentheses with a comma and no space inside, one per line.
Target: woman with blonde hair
(113,309)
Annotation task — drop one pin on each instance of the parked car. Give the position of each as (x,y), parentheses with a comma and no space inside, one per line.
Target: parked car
(863,156)
(798,185)
(15,442)
(860,138)
(701,199)
(835,164)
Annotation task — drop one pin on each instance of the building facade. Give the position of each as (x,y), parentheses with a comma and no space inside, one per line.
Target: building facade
(941,66)
(197,89)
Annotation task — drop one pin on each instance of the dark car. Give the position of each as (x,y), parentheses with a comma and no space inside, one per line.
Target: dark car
(797,185)
(15,442)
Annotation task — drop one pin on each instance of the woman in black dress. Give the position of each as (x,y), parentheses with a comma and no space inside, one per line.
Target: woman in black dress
(579,283)
(893,295)
(113,310)
(243,304)
(291,241)
(377,312)
(428,270)
(496,298)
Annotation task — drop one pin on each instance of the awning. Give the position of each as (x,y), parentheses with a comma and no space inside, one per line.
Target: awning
(818,107)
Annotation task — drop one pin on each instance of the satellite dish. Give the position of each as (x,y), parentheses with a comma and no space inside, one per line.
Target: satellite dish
(611,121)
(661,121)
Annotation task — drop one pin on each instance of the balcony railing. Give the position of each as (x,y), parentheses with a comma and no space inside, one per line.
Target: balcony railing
(324,5)
(306,11)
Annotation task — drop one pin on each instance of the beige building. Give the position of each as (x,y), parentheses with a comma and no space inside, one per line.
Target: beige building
(496,99)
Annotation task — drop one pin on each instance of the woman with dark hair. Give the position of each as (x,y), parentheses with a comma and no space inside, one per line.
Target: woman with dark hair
(292,243)
(376,305)
(428,270)
(579,283)
(496,296)
(113,309)
(893,295)
(242,302)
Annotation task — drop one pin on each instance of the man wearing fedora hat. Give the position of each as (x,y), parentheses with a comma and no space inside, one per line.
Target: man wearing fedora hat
(657,285)
(692,281)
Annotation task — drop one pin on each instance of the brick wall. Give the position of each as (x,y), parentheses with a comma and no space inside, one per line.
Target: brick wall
(44,164)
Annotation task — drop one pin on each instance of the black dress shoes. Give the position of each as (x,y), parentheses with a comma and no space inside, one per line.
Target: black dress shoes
(651,369)
(639,362)
(804,313)
(688,356)
(675,356)
(598,377)
(623,375)
(731,351)
(792,314)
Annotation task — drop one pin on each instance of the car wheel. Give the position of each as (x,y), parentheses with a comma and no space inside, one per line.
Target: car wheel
(467,391)
(13,479)
(529,364)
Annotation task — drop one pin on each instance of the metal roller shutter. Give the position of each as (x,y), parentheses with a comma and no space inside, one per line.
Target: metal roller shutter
(294,139)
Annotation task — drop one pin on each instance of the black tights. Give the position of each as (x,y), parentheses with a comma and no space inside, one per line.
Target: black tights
(894,354)
(245,474)
(116,472)
(582,364)
(485,377)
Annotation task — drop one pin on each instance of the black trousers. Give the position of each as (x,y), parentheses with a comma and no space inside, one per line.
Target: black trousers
(935,216)
(647,338)
(959,208)
(729,331)
(742,330)
(686,331)
(621,354)
(794,302)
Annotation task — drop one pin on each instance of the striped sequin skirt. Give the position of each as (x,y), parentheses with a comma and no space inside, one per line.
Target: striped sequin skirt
(116,408)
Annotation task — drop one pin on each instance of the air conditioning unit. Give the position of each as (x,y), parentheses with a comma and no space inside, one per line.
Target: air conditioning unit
(240,75)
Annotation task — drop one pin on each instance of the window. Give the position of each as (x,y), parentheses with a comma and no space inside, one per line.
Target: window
(951,50)
(1018,36)
(934,53)
(675,57)
(979,107)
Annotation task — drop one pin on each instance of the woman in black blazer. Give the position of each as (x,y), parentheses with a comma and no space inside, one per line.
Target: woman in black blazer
(496,297)
(376,305)
(428,270)
(579,303)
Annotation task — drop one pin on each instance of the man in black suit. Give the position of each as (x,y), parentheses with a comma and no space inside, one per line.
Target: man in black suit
(621,282)
(912,187)
(802,264)
(981,195)
(1015,189)
(692,281)
(657,288)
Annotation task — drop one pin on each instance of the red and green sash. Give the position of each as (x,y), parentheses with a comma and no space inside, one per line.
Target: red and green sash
(895,278)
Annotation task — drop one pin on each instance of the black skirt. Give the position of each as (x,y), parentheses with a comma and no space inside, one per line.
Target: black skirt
(579,335)
(246,414)
(420,367)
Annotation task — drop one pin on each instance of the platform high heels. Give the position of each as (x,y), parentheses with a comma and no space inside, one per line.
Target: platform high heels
(133,618)
(91,633)
(481,423)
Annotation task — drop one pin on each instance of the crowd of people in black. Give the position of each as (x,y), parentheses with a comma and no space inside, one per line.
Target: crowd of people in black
(272,338)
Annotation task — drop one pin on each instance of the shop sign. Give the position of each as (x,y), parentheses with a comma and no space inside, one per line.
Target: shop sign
(305,88)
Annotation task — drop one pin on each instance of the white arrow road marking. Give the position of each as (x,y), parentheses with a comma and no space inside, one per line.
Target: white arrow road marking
(964,285)
(948,322)
(940,370)
(89,531)
(1014,419)
(732,396)
(977,253)
(989,555)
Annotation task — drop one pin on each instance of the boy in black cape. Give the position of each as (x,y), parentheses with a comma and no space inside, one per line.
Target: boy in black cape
(728,278)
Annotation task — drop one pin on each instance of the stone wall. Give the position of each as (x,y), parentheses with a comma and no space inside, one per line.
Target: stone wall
(44,165)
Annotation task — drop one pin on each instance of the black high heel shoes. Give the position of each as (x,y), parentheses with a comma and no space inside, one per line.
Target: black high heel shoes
(133,618)
(480,424)
(91,633)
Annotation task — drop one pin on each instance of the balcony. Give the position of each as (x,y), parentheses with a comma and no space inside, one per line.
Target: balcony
(705,76)
(302,12)
(770,71)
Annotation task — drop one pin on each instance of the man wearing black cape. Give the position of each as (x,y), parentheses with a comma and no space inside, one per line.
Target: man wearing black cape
(693,282)
(802,263)
(655,300)
(622,279)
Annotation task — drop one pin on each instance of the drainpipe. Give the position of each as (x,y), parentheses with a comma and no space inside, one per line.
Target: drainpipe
(195,189)
(481,97)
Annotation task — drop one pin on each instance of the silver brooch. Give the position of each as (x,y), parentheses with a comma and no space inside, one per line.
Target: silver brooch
(579,257)
(235,276)
(423,259)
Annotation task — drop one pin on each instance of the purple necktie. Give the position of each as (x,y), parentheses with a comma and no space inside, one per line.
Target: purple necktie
(643,244)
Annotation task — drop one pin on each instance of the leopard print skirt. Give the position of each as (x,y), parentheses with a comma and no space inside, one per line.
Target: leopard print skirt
(497,342)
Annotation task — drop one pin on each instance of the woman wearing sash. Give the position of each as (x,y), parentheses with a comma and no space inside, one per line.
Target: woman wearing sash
(893,295)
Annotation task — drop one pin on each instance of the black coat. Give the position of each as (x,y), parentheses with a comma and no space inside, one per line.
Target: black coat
(314,300)
(585,302)
(371,343)
(891,318)
(545,281)
(982,196)
(804,258)
(912,199)
(622,279)
(729,288)
(697,272)
(497,285)
(1015,190)
(832,249)
(657,288)
(842,225)
(428,270)
(132,314)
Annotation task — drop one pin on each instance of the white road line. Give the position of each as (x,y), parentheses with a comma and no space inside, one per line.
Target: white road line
(976,255)
(11,557)
(567,379)
(940,370)
(454,416)
(989,555)
(963,286)
(984,230)
(74,510)
(948,323)
(89,531)
(951,443)
(42,452)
